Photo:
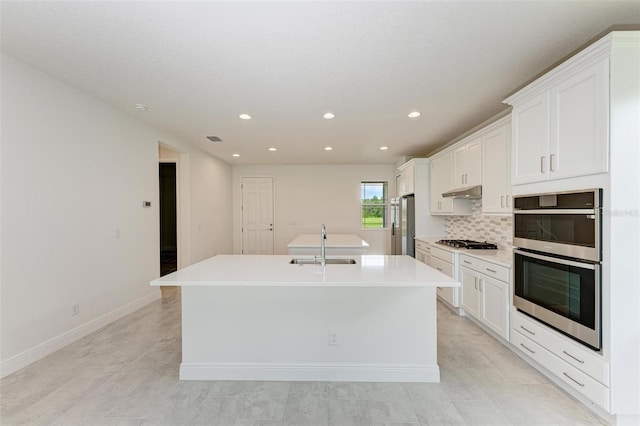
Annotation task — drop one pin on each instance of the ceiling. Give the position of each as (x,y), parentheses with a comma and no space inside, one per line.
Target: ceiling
(198,65)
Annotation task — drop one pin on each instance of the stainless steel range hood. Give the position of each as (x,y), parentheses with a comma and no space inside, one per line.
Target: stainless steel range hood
(468,193)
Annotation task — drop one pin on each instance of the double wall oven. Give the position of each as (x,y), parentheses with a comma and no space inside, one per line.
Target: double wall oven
(557,256)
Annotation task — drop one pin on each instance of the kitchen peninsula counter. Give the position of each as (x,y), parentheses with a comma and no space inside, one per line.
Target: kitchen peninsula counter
(337,244)
(262,318)
(276,271)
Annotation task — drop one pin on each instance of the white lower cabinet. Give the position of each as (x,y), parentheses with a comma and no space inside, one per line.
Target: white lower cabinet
(577,366)
(484,297)
(470,292)
(423,252)
(444,261)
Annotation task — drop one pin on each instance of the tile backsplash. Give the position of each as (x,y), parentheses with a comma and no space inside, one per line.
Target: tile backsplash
(495,229)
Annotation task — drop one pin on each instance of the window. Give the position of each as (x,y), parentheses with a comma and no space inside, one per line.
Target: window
(374,200)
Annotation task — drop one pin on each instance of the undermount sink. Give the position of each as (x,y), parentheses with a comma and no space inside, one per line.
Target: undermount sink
(312,261)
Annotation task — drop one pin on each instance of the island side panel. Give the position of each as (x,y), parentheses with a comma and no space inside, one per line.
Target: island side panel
(283,333)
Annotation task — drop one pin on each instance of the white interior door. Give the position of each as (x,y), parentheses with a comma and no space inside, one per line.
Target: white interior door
(257,215)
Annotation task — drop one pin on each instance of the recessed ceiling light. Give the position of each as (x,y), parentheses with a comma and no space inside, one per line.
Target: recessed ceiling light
(384,148)
(329,115)
(245,116)
(327,148)
(141,107)
(414,114)
(273,149)
(236,155)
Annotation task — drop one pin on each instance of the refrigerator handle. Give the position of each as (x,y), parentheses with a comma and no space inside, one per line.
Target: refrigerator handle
(393,228)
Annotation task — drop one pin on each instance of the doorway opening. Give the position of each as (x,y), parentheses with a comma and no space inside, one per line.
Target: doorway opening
(168,219)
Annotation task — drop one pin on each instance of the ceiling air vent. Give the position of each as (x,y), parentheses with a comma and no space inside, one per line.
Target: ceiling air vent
(214,139)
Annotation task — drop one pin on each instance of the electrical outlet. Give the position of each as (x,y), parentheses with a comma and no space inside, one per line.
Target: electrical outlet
(333,339)
(75,310)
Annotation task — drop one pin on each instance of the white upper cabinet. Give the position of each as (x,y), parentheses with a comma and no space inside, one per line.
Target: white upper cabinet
(467,164)
(579,117)
(442,181)
(407,178)
(560,123)
(496,169)
(531,140)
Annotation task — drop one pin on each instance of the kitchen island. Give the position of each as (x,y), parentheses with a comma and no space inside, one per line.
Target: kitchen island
(336,244)
(263,318)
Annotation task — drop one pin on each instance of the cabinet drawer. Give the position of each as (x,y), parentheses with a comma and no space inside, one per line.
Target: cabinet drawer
(490,269)
(421,245)
(442,266)
(583,359)
(441,254)
(576,379)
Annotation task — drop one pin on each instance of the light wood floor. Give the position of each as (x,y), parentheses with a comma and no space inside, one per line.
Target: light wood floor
(127,374)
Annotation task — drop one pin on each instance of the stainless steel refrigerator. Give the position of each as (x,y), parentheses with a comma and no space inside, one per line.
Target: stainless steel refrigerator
(403,230)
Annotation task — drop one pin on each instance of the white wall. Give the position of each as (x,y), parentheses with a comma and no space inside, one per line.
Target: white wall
(75,171)
(306,196)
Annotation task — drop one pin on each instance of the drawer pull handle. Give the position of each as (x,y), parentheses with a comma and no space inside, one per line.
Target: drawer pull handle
(467,262)
(530,350)
(491,270)
(574,380)
(439,269)
(568,354)
(527,330)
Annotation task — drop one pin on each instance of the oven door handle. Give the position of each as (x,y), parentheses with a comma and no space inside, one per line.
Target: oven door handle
(558,211)
(557,260)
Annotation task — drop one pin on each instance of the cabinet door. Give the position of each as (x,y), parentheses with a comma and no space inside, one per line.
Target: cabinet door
(434,183)
(579,109)
(473,174)
(459,167)
(446,182)
(530,140)
(441,175)
(494,296)
(470,294)
(421,256)
(496,171)
(409,176)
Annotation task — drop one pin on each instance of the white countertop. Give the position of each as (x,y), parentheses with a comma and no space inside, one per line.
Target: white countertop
(333,241)
(499,257)
(275,271)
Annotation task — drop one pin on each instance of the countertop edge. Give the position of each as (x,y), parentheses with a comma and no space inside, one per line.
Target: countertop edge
(157,283)
(486,255)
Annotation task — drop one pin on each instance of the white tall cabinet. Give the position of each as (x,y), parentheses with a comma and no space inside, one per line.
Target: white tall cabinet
(576,127)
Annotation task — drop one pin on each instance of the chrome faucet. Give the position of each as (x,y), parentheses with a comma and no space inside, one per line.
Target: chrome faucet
(323,238)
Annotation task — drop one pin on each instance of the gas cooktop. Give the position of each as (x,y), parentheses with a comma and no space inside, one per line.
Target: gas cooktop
(469,244)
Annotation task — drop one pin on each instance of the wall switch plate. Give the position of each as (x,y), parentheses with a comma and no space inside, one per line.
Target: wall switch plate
(75,310)
(333,339)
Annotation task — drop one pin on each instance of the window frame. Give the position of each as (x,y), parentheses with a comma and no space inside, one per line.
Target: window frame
(386,205)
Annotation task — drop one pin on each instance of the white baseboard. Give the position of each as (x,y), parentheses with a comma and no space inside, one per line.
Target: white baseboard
(311,372)
(48,347)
